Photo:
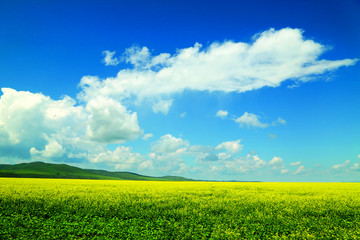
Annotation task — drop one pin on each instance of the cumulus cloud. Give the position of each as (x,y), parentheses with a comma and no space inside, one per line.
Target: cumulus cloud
(250,120)
(52,150)
(109,58)
(276,163)
(223,156)
(230,146)
(168,144)
(34,125)
(111,122)
(222,114)
(167,154)
(162,106)
(122,158)
(241,165)
(274,56)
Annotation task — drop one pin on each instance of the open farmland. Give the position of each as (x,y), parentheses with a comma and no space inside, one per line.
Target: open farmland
(86,209)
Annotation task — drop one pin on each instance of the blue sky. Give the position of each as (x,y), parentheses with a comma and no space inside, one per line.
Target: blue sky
(203,89)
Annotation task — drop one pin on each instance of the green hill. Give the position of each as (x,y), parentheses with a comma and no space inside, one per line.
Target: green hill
(49,170)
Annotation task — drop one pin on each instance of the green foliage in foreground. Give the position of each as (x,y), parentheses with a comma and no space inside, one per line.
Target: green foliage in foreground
(50,170)
(97,209)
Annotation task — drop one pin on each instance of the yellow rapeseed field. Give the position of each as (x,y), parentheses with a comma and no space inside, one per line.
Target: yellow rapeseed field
(107,209)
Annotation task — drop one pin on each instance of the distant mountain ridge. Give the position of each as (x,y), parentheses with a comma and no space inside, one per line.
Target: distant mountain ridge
(51,170)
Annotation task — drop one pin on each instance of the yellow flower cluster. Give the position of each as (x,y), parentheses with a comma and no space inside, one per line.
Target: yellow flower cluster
(108,209)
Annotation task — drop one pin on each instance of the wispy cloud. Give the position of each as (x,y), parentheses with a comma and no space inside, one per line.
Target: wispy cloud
(339,167)
(272,135)
(279,121)
(147,136)
(300,169)
(356,167)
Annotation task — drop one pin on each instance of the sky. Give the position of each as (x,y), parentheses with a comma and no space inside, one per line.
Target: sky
(211,90)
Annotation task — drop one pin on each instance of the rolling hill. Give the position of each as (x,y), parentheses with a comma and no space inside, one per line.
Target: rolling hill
(50,170)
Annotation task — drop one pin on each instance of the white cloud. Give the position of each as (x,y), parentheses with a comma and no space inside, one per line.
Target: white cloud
(273,57)
(33,125)
(162,106)
(272,136)
(341,166)
(168,144)
(207,157)
(356,166)
(183,115)
(222,114)
(276,163)
(122,158)
(250,120)
(241,164)
(279,121)
(169,154)
(296,163)
(345,167)
(147,136)
(139,57)
(52,150)
(230,146)
(300,169)
(111,122)
(109,58)
(223,156)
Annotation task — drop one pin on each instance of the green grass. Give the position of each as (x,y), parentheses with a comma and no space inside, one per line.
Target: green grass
(97,209)
(48,170)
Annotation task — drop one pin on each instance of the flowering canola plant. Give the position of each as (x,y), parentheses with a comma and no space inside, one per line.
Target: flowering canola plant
(113,209)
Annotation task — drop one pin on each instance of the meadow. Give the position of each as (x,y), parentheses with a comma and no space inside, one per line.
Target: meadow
(116,209)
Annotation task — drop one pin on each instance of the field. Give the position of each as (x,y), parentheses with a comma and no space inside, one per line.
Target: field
(113,209)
